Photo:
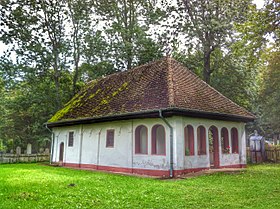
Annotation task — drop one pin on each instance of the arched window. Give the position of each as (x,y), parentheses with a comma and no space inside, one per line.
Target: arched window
(213,140)
(234,140)
(141,140)
(225,141)
(189,140)
(201,140)
(158,140)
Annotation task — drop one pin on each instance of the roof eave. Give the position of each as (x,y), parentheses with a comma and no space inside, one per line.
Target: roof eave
(168,112)
(212,115)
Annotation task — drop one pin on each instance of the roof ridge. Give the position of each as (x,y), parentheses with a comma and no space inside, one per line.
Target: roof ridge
(170,82)
(129,70)
(178,63)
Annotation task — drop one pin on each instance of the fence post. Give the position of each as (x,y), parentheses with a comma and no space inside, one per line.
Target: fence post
(275,155)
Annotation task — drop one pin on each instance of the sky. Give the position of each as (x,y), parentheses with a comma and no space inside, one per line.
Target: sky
(259,4)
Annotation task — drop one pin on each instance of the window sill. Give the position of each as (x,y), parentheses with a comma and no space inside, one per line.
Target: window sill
(158,154)
(140,153)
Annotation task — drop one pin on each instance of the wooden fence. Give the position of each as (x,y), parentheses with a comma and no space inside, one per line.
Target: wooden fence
(13,158)
(271,154)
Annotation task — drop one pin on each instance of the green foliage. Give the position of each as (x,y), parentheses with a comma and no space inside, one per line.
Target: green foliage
(27,107)
(235,79)
(126,28)
(2,147)
(187,152)
(61,45)
(37,186)
(258,43)
(91,72)
(261,26)
(207,26)
(270,91)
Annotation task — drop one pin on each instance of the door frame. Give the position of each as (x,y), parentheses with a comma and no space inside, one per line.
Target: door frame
(61,153)
(216,151)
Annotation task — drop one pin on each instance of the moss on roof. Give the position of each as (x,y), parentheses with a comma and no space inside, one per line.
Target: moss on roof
(161,84)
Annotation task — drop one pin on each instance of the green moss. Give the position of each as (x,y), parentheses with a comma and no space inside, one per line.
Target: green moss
(79,99)
(76,101)
(94,94)
(60,113)
(123,86)
(104,102)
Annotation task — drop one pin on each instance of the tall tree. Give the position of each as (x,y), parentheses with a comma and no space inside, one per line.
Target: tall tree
(126,25)
(259,30)
(270,91)
(27,106)
(259,42)
(81,24)
(36,31)
(208,25)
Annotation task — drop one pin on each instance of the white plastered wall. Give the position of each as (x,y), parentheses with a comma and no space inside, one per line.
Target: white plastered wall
(151,161)
(90,144)
(202,161)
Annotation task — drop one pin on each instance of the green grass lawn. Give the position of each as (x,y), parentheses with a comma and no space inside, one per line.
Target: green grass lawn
(39,186)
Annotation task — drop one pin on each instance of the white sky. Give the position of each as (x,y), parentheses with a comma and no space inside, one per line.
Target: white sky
(259,4)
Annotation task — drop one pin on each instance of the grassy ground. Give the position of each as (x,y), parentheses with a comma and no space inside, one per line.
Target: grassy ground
(38,186)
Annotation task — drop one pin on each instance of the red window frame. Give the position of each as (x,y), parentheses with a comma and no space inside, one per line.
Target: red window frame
(189,140)
(138,140)
(110,138)
(71,139)
(154,140)
(201,138)
(225,141)
(234,140)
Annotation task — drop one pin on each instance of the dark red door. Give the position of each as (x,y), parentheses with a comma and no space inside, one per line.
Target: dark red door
(61,152)
(216,158)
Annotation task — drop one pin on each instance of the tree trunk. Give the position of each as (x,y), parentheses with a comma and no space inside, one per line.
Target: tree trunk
(75,79)
(207,67)
(56,76)
(129,63)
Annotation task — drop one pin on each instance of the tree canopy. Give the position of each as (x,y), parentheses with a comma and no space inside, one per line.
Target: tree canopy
(56,47)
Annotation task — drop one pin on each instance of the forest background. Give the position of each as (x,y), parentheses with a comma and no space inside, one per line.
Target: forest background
(50,49)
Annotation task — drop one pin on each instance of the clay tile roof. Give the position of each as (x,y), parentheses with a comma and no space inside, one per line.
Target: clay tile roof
(162,84)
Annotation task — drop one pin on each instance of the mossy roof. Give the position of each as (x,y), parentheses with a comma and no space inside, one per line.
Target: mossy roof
(161,84)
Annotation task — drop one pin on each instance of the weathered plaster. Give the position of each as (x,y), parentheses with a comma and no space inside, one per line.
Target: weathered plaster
(90,145)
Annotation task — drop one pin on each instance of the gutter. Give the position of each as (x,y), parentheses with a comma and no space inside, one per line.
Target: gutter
(52,141)
(81,145)
(153,114)
(171,144)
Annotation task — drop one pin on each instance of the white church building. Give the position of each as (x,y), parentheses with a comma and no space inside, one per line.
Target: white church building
(157,119)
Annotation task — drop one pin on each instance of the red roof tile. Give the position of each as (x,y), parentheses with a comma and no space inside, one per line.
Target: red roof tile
(162,84)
